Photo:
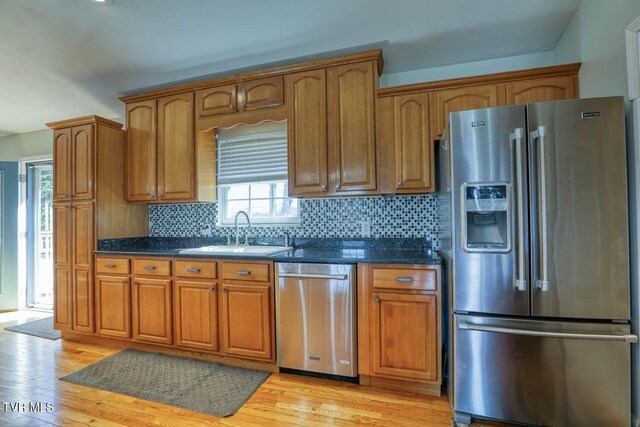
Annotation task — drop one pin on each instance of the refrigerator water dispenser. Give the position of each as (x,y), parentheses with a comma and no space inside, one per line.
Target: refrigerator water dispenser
(486,224)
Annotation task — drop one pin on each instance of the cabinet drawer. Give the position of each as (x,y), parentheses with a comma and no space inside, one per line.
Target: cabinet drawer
(202,269)
(112,265)
(400,278)
(246,271)
(152,267)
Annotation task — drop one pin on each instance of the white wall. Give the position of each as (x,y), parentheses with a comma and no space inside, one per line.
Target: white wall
(595,36)
(30,144)
(467,69)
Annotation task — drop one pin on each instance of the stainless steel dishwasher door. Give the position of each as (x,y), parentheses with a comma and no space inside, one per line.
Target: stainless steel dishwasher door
(315,318)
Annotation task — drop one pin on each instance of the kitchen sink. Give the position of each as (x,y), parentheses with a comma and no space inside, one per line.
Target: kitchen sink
(236,250)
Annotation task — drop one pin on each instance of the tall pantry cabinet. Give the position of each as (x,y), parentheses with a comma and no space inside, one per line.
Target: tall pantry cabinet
(89,204)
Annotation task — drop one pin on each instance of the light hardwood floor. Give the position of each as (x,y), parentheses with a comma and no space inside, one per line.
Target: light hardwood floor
(30,368)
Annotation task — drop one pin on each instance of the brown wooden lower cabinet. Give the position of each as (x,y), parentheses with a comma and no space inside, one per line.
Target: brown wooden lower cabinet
(113,306)
(151,310)
(404,335)
(246,320)
(196,314)
(399,327)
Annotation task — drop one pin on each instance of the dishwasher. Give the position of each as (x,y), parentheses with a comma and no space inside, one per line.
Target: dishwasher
(315,318)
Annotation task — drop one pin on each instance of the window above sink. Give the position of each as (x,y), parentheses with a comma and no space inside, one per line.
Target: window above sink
(252,175)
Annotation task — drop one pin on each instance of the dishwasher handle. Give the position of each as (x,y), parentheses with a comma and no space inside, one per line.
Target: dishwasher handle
(314,276)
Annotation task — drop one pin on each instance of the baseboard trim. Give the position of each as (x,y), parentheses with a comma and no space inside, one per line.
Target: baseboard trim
(194,354)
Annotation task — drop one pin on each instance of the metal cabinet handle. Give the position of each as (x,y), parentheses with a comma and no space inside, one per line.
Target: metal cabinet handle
(212,289)
(567,335)
(243,105)
(543,275)
(223,289)
(338,185)
(110,266)
(400,183)
(324,187)
(124,282)
(520,281)
(243,273)
(404,279)
(376,299)
(231,106)
(193,270)
(149,267)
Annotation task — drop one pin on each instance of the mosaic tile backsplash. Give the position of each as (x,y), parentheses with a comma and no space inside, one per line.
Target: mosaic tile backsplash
(388,216)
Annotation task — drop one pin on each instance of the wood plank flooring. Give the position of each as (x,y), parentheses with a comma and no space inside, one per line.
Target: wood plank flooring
(30,368)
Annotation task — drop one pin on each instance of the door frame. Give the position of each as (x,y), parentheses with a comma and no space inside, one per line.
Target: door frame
(23,223)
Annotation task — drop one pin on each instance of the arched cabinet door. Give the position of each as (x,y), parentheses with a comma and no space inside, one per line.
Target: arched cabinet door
(141,151)
(352,128)
(83,162)
(307,132)
(176,148)
(544,89)
(62,164)
(464,98)
(261,93)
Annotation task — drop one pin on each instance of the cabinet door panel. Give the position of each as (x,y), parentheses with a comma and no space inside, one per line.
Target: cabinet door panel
(83,162)
(176,148)
(414,148)
(83,245)
(113,306)
(540,90)
(246,320)
(401,322)
(465,98)
(62,164)
(262,93)
(216,100)
(82,300)
(351,120)
(151,310)
(140,165)
(196,308)
(63,309)
(307,133)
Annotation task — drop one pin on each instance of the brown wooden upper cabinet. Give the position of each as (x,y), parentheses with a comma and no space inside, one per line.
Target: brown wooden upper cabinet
(162,152)
(332,143)
(405,145)
(73,162)
(543,89)
(245,96)
(465,98)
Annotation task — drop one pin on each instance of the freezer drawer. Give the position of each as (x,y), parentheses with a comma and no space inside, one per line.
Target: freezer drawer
(542,373)
(315,318)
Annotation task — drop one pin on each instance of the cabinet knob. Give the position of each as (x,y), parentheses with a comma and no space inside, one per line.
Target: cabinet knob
(223,289)
(124,282)
(243,105)
(376,299)
(231,106)
(193,270)
(212,289)
(151,196)
(324,186)
(338,185)
(400,183)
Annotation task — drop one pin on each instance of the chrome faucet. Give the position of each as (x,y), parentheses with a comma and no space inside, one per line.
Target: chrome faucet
(287,238)
(246,237)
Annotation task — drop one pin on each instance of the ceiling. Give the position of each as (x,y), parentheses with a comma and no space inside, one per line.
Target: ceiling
(66,58)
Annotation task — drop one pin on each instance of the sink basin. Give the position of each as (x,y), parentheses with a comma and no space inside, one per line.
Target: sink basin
(236,250)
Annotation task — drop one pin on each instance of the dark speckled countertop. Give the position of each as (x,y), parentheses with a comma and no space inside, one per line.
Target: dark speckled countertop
(336,251)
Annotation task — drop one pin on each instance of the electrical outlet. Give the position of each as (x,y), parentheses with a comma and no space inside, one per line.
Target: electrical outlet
(365,229)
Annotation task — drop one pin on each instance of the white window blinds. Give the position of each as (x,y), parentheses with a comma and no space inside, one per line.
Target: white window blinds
(252,153)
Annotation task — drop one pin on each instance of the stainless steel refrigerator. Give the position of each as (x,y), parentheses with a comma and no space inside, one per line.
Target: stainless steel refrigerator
(535,239)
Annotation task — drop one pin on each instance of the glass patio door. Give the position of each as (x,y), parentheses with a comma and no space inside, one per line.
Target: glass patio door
(39,235)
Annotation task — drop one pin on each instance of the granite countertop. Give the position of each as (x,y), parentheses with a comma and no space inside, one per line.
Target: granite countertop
(345,251)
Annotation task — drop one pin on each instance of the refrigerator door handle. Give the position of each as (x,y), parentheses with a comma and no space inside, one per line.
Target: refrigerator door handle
(564,335)
(543,272)
(520,281)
